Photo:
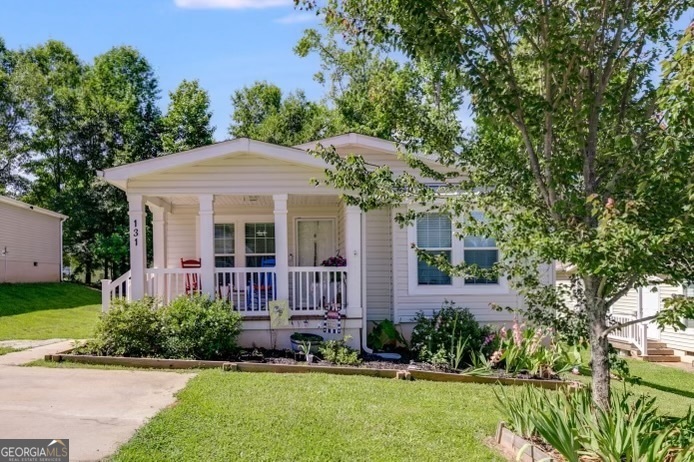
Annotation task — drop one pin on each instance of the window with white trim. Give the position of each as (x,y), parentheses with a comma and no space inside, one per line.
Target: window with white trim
(260,245)
(224,241)
(434,236)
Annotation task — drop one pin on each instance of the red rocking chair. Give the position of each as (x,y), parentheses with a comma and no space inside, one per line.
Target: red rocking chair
(192,281)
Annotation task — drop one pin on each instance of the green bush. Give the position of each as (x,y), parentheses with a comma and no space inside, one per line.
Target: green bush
(128,329)
(188,328)
(385,336)
(631,430)
(451,336)
(338,352)
(199,328)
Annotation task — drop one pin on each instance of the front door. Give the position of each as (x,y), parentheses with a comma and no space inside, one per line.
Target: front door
(650,305)
(315,241)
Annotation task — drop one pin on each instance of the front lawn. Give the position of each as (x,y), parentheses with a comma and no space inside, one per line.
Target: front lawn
(317,417)
(42,311)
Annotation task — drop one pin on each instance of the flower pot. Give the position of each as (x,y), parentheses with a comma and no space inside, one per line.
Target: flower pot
(298,338)
(309,358)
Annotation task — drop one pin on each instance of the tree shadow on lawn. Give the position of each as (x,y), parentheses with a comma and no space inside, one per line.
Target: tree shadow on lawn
(674,391)
(26,298)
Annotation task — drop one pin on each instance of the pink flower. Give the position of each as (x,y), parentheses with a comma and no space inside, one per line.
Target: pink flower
(517,337)
(496,357)
(502,332)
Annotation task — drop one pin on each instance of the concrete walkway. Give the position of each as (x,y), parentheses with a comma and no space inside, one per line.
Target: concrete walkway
(97,410)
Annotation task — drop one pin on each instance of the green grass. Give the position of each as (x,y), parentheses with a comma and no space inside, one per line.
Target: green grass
(317,417)
(673,388)
(42,311)
(5,350)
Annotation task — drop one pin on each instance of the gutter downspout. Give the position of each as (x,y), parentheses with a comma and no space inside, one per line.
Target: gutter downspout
(364,322)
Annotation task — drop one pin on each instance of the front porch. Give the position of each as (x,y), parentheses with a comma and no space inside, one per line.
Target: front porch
(251,250)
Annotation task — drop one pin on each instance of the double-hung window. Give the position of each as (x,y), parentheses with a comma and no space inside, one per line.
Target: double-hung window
(224,245)
(260,245)
(433,234)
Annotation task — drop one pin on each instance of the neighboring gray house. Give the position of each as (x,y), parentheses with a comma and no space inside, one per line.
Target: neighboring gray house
(31,243)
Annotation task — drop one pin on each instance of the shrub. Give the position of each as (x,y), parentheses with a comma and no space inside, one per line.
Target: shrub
(531,350)
(199,328)
(338,352)
(576,428)
(451,335)
(189,327)
(385,336)
(128,329)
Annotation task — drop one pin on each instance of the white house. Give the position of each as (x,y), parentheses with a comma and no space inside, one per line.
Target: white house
(645,339)
(248,212)
(654,344)
(31,243)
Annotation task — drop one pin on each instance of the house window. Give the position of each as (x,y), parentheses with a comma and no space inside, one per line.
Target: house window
(688,291)
(482,252)
(435,237)
(434,234)
(260,245)
(224,245)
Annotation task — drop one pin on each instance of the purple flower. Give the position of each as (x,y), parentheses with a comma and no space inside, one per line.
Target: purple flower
(488,339)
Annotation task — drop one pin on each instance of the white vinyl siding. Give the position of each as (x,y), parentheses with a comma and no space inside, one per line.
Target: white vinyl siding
(379,264)
(33,243)
(240,174)
(628,305)
(682,340)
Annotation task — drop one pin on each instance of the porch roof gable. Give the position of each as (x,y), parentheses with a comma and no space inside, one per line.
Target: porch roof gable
(120,175)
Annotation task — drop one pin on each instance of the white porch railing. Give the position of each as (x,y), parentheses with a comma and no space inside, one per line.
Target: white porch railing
(311,289)
(635,334)
(314,288)
(120,288)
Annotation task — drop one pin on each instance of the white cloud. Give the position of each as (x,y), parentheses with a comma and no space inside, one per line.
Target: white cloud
(231,4)
(296,18)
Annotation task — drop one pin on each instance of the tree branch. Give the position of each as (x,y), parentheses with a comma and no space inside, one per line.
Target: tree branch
(621,325)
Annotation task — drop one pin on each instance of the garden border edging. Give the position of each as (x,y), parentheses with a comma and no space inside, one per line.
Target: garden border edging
(523,450)
(162,363)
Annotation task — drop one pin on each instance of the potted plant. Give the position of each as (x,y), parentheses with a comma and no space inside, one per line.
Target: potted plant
(298,338)
(335,262)
(306,351)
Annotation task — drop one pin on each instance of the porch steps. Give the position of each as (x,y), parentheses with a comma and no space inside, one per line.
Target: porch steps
(658,352)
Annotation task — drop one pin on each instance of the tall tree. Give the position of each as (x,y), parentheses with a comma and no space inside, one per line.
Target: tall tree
(569,159)
(187,121)
(261,113)
(12,136)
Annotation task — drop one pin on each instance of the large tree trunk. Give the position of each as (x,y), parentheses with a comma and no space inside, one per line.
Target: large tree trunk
(88,272)
(597,318)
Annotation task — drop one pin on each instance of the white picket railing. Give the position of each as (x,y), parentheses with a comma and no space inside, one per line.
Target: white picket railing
(635,334)
(314,288)
(120,288)
(249,290)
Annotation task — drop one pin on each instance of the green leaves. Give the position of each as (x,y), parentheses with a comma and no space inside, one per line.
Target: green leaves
(186,124)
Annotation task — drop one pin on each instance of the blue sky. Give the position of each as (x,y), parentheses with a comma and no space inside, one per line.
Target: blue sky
(223,43)
(226,44)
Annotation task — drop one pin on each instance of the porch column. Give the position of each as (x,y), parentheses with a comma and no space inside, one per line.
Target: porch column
(206,237)
(138,245)
(353,218)
(281,246)
(159,246)
(159,236)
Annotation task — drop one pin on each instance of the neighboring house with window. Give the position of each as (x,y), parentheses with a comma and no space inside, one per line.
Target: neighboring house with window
(248,212)
(31,243)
